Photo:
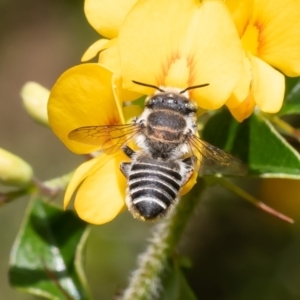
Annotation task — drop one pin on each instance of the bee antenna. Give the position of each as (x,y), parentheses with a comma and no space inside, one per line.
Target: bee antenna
(194,87)
(149,85)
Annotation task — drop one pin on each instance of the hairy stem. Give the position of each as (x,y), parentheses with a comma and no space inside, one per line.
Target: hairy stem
(145,283)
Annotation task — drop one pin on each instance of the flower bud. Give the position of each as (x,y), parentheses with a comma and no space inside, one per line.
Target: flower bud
(14,171)
(35,99)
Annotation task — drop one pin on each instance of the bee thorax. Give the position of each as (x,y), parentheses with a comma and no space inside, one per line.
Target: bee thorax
(164,133)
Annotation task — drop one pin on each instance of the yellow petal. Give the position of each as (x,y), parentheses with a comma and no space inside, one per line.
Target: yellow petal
(79,175)
(241,11)
(123,95)
(178,66)
(109,58)
(279,38)
(242,90)
(189,185)
(101,197)
(106,16)
(192,181)
(267,86)
(267,91)
(82,96)
(159,45)
(244,109)
(233,101)
(94,49)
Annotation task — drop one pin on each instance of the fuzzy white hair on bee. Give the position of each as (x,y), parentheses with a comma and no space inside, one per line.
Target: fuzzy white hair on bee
(171,90)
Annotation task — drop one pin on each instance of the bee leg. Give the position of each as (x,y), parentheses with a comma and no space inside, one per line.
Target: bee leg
(128,151)
(189,164)
(125,168)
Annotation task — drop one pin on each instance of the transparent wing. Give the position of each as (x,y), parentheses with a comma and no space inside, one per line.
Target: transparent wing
(109,138)
(214,160)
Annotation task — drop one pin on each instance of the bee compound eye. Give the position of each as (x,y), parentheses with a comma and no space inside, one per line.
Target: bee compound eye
(150,102)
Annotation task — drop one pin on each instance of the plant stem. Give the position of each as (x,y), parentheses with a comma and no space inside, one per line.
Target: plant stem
(11,196)
(240,192)
(145,283)
(54,186)
(283,126)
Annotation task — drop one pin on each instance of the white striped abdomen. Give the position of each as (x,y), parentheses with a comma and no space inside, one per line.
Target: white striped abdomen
(153,186)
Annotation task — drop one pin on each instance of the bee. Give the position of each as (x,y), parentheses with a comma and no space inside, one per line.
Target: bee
(166,134)
(154,183)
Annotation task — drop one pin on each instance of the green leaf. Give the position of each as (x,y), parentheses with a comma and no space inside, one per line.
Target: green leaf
(256,142)
(292,102)
(46,256)
(175,286)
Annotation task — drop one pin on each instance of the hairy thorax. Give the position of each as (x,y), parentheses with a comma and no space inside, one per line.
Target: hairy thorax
(165,131)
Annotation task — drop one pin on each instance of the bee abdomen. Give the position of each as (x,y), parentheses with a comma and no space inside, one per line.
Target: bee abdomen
(153,188)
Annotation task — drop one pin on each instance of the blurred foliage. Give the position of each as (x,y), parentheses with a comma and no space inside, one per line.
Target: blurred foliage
(253,141)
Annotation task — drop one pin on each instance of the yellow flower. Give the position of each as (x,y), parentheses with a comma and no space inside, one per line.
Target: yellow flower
(181,44)
(165,43)
(270,34)
(83,96)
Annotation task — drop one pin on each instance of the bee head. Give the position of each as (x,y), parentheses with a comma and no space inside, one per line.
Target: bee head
(172,101)
(171,98)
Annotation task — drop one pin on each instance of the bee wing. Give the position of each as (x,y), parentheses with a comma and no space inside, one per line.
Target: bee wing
(109,138)
(214,160)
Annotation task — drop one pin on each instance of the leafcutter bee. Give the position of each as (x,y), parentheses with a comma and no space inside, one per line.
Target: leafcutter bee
(166,134)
